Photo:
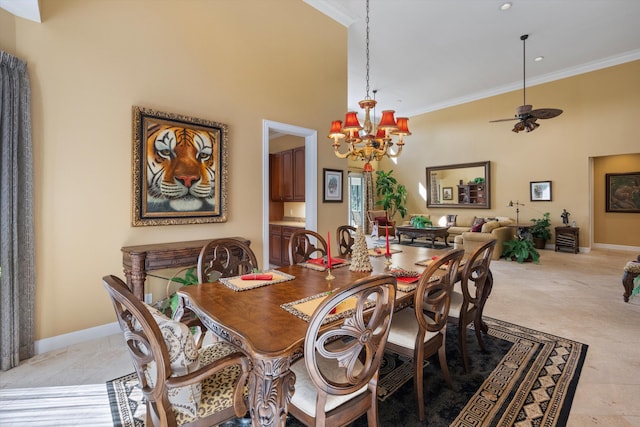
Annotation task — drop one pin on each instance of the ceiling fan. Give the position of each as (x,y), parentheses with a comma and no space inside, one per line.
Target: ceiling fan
(525,114)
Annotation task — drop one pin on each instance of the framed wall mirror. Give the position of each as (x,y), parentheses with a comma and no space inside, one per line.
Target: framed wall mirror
(465,185)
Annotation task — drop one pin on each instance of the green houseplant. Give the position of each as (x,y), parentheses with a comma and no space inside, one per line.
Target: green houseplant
(420,221)
(521,250)
(392,196)
(540,230)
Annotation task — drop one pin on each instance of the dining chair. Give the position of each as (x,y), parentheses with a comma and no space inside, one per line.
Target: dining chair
(380,223)
(302,248)
(336,380)
(182,385)
(345,236)
(420,331)
(468,303)
(225,257)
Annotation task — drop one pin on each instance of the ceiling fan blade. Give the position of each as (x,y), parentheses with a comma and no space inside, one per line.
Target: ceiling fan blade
(545,113)
(503,120)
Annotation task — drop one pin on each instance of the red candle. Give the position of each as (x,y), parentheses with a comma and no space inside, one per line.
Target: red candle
(329,249)
(388,251)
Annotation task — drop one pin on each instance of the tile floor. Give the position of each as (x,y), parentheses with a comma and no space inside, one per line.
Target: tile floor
(574,296)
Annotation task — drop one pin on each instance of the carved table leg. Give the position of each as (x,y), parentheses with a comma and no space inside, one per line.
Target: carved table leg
(271,385)
(137,275)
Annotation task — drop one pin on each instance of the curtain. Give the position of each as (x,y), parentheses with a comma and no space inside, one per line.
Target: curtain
(17,277)
(369,196)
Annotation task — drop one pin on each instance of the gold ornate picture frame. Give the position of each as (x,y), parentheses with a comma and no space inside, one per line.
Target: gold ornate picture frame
(180,171)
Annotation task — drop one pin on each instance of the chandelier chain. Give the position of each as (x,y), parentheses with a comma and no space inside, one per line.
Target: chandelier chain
(367,49)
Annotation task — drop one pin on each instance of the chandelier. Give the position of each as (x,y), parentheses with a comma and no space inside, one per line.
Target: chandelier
(366,142)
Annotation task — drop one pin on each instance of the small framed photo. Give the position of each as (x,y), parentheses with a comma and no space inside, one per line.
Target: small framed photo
(623,192)
(447,193)
(332,186)
(540,191)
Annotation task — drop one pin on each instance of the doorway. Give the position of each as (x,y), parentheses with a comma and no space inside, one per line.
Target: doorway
(311,176)
(356,195)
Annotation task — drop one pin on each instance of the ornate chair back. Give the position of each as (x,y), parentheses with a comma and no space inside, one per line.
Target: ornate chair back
(419,332)
(468,304)
(302,248)
(345,238)
(226,257)
(342,356)
(161,364)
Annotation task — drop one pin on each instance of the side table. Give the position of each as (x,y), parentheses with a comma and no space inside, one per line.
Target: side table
(568,238)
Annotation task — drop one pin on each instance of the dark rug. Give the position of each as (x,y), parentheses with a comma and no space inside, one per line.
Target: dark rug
(525,377)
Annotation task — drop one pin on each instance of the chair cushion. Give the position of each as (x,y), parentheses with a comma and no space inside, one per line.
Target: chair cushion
(404,328)
(489,226)
(382,220)
(217,390)
(183,358)
(304,397)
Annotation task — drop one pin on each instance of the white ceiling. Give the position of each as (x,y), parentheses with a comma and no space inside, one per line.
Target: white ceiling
(430,54)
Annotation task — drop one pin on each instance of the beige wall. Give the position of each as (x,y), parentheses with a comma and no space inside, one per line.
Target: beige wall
(91,61)
(7,32)
(613,227)
(600,119)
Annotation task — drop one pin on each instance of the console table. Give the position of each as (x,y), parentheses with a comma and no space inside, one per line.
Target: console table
(137,260)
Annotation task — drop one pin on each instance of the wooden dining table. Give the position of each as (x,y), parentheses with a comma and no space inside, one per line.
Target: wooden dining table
(273,337)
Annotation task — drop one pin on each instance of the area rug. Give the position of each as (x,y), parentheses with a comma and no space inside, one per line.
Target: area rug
(525,377)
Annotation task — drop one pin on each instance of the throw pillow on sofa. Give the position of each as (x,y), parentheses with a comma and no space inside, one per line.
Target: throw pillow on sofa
(477,227)
(489,226)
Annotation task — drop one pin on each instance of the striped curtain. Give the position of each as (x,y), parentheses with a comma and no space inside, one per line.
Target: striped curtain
(17,277)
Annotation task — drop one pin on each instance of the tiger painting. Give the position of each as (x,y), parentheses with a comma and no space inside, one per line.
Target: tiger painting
(181,165)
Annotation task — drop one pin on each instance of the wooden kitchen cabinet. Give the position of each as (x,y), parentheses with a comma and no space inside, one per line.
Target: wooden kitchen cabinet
(287,175)
(279,237)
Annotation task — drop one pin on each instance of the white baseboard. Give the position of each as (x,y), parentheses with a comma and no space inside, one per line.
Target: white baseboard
(65,340)
(616,247)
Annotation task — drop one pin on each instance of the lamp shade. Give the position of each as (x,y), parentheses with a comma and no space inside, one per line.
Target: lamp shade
(351,121)
(336,129)
(403,126)
(387,121)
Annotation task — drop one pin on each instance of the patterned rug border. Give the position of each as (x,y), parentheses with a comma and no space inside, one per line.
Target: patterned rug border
(534,383)
(556,357)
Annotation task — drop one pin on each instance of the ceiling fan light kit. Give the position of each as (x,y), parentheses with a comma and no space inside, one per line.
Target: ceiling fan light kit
(525,114)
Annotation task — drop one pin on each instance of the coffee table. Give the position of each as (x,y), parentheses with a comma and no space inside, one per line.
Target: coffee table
(429,232)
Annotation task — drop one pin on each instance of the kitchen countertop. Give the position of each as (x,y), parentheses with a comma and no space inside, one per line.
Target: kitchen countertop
(288,223)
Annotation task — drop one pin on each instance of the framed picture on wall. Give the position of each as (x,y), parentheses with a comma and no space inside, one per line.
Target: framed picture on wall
(332,185)
(447,193)
(623,192)
(540,191)
(179,169)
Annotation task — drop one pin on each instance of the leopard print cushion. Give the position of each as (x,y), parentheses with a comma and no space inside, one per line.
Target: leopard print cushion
(217,390)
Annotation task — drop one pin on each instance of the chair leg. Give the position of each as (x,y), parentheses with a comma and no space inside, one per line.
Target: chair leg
(462,343)
(372,413)
(442,356)
(477,325)
(418,383)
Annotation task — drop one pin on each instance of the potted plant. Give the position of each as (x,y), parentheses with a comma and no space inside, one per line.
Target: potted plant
(420,221)
(540,231)
(521,250)
(392,196)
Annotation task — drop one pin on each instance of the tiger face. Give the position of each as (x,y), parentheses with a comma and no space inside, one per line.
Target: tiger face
(180,168)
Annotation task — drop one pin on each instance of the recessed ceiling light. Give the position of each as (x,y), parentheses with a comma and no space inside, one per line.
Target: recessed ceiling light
(538,58)
(505,6)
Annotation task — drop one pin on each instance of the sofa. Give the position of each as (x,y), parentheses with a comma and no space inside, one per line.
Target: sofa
(469,231)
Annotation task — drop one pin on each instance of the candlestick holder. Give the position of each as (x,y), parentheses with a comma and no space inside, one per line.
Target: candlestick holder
(329,275)
(387,260)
